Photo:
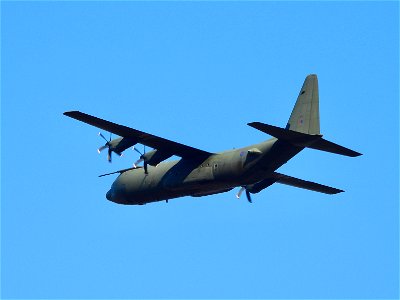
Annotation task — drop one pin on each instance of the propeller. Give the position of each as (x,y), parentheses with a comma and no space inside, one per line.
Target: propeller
(243,188)
(142,158)
(107,145)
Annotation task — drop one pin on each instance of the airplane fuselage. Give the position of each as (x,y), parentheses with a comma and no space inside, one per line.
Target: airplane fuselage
(187,177)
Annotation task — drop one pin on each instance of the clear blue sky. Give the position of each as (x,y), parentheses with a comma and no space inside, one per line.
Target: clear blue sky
(197,73)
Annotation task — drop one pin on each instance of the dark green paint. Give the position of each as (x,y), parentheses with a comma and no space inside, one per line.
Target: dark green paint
(200,173)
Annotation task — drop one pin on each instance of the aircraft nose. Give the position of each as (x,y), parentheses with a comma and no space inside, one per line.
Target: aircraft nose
(109,195)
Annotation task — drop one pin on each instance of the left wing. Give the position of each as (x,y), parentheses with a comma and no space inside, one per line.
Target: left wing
(166,148)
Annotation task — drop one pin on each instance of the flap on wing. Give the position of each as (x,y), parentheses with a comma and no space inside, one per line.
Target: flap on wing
(166,146)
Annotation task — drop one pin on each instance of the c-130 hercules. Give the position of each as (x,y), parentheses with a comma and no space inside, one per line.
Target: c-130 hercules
(201,173)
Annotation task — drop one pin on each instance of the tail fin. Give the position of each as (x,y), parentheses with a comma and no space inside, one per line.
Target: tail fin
(305,114)
(302,129)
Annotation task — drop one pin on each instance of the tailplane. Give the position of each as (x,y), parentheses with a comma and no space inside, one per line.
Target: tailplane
(305,114)
(313,141)
(303,128)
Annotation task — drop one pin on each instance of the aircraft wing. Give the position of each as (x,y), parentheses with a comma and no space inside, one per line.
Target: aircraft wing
(166,147)
(304,184)
(292,181)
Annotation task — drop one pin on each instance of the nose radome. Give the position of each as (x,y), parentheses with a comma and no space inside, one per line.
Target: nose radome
(109,195)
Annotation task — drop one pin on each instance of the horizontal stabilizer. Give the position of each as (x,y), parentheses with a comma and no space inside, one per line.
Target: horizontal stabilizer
(292,181)
(313,141)
(328,146)
(294,137)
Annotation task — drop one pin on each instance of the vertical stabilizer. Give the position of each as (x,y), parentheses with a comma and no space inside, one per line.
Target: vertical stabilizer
(305,114)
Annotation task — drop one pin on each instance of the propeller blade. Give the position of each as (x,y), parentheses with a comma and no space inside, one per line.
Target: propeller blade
(240,192)
(138,161)
(248,196)
(100,134)
(101,148)
(133,148)
(109,155)
(107,145)
(142,158)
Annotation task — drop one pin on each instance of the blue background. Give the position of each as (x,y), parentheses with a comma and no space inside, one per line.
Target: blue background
(196,73)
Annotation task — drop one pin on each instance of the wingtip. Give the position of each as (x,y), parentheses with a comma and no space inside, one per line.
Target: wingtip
(335,191)
(354,153)
(68,113)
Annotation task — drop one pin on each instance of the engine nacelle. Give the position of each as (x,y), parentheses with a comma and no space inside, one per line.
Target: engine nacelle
(154,157)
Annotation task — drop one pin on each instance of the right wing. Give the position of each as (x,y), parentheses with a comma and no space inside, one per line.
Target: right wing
(166,148)
(304,184)
(292,181)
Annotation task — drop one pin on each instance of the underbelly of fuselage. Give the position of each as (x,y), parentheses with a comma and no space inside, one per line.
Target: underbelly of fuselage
(167,181)
(161,193)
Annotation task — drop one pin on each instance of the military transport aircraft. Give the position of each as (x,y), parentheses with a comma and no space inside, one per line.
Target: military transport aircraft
(200,173)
